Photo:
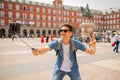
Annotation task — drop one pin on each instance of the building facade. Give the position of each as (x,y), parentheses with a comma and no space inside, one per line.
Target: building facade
(45,19)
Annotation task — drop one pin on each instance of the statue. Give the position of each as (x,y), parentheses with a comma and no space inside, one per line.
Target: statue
(86,12)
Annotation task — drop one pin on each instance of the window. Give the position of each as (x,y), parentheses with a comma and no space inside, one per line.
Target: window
(31,16)
(38,17)
(49,11)
(37,10)
(43,10)
(10,14)
(49,18)
(59,6)
(43,24)
(68,19)
(64,13)
(54,18)
(1,5)
(59,19)
(72,19)
(68,13)
(2,22)
(64,19)
(54,12)
(117,15)
(17,7)
(24,16)
(54,24)
(17,15)
(43,17)
(72,13)
(24,8)
(9,21)
(2,14)
(31,9)
(49,24)
(38,24)
(59,13)
(9,6)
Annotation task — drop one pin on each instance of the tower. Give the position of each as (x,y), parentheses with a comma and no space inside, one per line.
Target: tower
(57,3)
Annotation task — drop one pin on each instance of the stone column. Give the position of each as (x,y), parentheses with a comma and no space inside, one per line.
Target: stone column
(7,33)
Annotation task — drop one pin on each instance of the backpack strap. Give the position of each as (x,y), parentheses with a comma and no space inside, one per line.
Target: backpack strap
(58,47)
(74,49)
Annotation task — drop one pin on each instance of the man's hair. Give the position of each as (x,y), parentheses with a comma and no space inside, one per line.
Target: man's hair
(69,27)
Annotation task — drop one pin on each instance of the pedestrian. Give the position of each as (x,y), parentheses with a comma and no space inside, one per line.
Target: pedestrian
(13,36)
(28,36)
(47,39)
(117,41)
(42,39)
(3,37)
(66,63)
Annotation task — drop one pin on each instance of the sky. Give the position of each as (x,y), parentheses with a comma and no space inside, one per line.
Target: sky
(93,4)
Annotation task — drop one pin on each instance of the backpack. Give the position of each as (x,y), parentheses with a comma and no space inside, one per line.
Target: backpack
(73,47)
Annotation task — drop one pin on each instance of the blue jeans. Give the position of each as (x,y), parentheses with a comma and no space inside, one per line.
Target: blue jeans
(116,47)
(60,75)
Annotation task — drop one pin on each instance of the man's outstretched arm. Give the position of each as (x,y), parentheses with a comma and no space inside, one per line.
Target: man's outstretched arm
(39,51)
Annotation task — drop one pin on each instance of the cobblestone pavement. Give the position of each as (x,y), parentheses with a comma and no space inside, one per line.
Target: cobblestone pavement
(18,63)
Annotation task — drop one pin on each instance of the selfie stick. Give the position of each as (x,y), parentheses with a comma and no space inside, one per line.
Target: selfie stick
(25,43)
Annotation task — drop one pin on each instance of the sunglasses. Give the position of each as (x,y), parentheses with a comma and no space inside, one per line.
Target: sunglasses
(64,30)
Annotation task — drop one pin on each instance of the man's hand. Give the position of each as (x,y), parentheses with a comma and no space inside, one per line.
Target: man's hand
(92,40)
(36,52)
(92,45)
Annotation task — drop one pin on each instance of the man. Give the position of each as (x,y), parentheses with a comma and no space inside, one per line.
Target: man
(66,63)
(117,39)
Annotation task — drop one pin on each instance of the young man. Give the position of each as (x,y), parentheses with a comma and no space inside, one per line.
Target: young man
(66,63)
(117,41)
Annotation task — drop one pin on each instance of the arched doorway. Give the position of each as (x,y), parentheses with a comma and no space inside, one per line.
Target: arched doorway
(54,32)
(2,33)
(44,33)
(31,33)
(24,33)
(38,33)
(49,32)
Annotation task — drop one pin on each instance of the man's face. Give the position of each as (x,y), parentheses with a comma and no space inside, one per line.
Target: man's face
(65,33)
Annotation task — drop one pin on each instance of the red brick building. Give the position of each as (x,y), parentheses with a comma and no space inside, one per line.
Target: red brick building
(43,19)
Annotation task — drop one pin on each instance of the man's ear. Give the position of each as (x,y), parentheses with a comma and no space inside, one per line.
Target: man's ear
(71,33)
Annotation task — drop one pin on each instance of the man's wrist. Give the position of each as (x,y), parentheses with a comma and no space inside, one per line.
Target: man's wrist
(39,51)
(93,48)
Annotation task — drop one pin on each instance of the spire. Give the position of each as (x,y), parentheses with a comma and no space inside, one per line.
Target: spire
(57,3)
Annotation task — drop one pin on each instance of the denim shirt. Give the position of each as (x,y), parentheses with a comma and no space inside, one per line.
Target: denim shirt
(74,68)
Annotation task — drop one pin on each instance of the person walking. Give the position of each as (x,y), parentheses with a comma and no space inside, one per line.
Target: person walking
(66,63)
(42,39)
(117,39)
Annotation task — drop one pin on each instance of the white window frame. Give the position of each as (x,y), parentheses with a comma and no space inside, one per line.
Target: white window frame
(17,15)
(37,10)
(38,24)
(49,18)
(43,10)
(10,14)
(17,7)
(1,5)
(31,9)
(10,6)
(31,16)
(2,22)
(43,24)
(38,17)
(2,14)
